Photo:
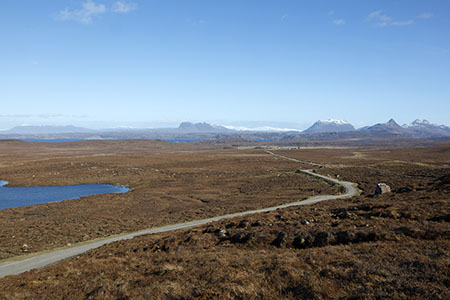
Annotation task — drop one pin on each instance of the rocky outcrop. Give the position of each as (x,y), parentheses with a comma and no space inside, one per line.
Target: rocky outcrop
(382,188)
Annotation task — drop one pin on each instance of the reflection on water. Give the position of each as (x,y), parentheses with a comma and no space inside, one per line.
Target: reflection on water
(22,196)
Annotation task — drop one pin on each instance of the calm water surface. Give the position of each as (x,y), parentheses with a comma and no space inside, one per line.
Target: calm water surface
(22,196)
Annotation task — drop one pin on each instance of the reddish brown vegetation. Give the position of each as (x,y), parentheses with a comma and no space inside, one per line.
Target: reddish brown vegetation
(165,189)
(394,246)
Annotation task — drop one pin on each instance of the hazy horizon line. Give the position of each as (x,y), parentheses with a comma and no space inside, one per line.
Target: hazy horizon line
(234,125)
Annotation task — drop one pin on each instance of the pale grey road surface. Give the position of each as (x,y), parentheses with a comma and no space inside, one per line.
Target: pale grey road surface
(45,259)
(294,160)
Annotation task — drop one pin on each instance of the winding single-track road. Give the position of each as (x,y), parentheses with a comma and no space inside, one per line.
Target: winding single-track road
(14,267)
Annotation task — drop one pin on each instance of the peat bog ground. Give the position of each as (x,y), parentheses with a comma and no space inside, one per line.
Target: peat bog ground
(392,246)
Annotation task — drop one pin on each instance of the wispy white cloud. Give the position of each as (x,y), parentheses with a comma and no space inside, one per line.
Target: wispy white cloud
(425,16)
(123,7)
(380,19)
(339,22)
(88,11)
(402,23)
(335,21)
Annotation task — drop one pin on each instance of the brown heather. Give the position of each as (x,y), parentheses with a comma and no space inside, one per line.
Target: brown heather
(394,246)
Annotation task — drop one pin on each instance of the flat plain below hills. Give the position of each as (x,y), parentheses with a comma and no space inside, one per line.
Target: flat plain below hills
(169,183)
(393,246)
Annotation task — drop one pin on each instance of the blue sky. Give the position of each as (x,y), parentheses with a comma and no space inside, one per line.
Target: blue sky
(102,63)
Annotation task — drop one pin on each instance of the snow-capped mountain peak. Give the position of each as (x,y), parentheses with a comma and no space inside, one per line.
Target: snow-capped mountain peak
(260,128)
(334,121)
(419,122)
(330,125)
(422,127)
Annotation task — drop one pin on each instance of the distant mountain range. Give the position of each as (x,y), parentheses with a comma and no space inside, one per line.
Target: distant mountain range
(426,128)
(417,129)
(323,130)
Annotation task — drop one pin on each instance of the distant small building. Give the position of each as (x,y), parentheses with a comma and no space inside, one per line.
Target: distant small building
(382,188)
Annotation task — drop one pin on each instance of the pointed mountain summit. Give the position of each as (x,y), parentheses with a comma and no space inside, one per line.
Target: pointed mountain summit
(389,127)
(330,125)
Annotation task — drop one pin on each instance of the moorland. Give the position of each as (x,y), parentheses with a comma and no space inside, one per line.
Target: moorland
(390,246)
